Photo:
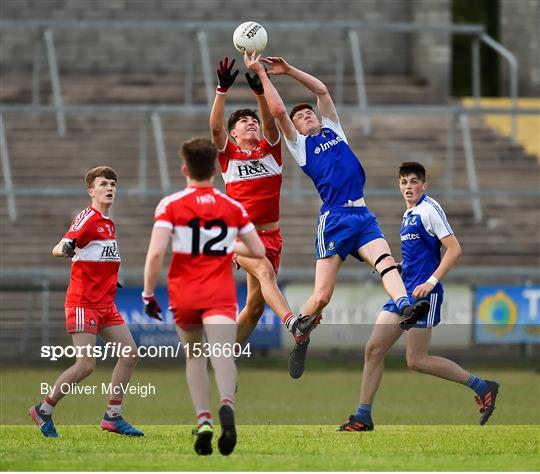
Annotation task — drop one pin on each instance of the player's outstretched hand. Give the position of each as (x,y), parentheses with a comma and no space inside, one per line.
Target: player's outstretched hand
(276,65)
(252,62)
(68,249)
(226,76)
(255,83)
(151,307)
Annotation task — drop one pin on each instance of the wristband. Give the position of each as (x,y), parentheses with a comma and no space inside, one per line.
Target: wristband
(433,280)
(144,295)
(221,90)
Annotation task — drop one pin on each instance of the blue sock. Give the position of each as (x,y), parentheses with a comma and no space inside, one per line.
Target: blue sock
(363,413)
(478,385)
(402,302)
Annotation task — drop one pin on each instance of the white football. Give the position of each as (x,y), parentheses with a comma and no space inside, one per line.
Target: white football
(250,36)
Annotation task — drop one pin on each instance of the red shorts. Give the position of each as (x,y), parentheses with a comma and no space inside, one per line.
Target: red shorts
(188,318)
(79,319)
(273,243)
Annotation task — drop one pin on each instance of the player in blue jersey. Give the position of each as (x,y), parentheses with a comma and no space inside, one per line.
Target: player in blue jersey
(424,230)
(346,226)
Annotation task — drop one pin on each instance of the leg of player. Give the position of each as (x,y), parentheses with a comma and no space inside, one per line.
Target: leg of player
(265,274)
(252,311)
(418,359)
(221,334)
(83,367)
(325,280)
(383,336)
(377,254)
(112,420)
(197,379)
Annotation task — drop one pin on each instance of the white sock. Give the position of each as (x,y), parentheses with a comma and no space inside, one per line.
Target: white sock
(46,408)
(290,319)
(114,409)
(204,416)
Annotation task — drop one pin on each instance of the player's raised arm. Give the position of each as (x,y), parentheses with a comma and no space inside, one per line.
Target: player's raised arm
(324,100)
(269,127)
(226,78)
(273,99)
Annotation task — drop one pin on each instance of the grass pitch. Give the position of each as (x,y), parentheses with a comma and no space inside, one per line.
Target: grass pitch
(277,448)
(422,423)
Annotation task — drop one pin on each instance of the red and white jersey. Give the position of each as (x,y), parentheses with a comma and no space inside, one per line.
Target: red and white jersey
(253,178)
(94,268)
(204,223)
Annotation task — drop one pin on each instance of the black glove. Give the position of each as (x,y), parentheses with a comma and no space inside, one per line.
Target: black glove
(255,83)
(151,307)
(225,75)
(68,249)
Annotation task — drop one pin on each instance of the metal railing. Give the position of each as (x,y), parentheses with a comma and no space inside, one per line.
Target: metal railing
(198,29)
(459,117)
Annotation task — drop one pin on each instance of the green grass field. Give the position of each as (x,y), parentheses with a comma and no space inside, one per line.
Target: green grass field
(278,448)
(422,423)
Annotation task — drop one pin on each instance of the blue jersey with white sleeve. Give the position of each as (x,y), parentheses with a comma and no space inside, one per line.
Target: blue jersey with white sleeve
(329,161)
(422,229)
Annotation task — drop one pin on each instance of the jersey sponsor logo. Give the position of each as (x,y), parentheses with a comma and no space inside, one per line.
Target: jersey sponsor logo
(242,170)
(327,145)
(81,219)
(110,252)
(255,167)
(98,251)
(410,236)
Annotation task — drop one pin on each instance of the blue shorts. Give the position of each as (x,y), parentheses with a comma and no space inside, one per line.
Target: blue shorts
(344,230)
(433,317)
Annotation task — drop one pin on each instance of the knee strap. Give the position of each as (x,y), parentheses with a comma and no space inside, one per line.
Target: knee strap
(382,257)
(386,270)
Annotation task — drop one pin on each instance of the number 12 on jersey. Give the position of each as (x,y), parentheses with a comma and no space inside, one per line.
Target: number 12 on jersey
(208,230)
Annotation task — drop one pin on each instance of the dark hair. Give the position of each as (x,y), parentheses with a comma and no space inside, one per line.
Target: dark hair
(412,167)
(235,116)
(199,155)
(99,172)
(298,107)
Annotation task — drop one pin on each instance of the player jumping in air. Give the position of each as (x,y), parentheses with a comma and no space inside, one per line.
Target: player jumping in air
(423,231)
(203,224)
(345,226)
(251,167)
(90,243)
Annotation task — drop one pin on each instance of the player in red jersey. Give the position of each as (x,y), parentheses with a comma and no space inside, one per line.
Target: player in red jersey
(251,167)
(203,224)
(91,244)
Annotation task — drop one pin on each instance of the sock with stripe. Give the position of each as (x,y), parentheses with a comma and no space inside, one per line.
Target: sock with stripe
(47,406)
(363,413)
(402,302)
(114,408)
(227,401)
(477,384)
(204,416)
(289,320)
